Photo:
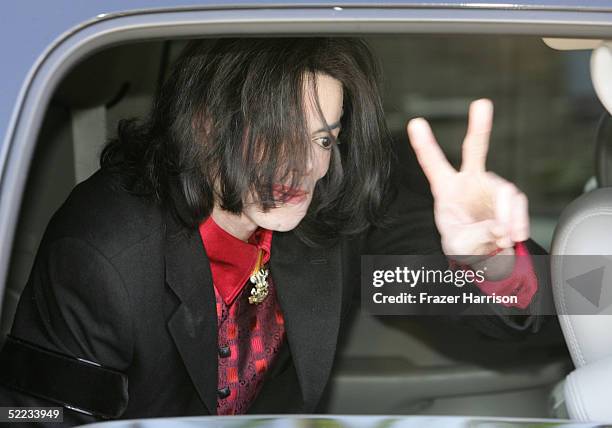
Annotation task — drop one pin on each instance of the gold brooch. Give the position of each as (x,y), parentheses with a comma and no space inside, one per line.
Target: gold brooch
(260,291)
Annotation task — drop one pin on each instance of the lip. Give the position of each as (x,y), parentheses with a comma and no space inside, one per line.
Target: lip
(294,195)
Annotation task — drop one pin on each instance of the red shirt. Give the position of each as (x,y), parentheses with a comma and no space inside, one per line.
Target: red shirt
(249,335)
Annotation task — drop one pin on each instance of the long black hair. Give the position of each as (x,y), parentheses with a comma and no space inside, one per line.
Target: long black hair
(230,119)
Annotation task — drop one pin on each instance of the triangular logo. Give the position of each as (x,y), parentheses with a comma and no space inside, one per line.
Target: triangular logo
(589,284)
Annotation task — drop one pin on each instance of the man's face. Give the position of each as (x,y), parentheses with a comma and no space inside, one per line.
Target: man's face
(286,216)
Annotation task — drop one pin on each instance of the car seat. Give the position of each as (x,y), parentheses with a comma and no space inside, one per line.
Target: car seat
(584,229)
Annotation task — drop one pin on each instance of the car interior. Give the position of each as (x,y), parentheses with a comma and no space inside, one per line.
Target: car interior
(547,138)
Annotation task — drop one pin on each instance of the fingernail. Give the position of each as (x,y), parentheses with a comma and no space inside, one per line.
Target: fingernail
(485,103)
(416,120)
(504,243)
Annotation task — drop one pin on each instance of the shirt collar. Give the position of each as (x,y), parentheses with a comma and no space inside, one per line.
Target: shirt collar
(232,260)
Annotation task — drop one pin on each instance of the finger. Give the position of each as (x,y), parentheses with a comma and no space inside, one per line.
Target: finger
(504,196)
(520,218)
(436,167)
(476,143)
(501,237)
(504,240)
(475,239)
(487,236)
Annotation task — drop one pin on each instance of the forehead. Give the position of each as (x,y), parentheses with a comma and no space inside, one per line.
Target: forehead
(329,95)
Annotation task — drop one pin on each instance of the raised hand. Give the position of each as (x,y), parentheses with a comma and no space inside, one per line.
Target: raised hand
(476,211)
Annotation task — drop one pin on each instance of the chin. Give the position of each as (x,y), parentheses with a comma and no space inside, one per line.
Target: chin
(284,219)
(285,227)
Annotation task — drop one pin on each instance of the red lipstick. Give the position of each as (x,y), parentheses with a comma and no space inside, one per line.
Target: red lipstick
(292,194)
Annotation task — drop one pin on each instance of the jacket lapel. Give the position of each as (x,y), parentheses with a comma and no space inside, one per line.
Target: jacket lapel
(309,287)
(193,325)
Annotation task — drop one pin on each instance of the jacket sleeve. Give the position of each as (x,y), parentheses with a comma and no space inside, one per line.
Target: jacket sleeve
(412,231)
(74,303)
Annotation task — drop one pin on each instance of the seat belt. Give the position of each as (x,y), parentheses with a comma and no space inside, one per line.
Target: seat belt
(88,136)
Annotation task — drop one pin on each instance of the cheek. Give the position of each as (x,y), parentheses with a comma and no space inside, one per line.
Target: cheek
(322,163)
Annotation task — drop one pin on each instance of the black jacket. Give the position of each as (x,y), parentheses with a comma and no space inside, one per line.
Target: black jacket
(119,281)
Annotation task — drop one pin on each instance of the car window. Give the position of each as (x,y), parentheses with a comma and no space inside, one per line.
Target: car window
(543,140)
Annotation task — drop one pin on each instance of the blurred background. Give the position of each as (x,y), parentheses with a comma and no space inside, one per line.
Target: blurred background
(546,111)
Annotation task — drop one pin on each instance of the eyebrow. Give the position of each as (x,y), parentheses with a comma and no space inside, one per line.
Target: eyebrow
(330,127)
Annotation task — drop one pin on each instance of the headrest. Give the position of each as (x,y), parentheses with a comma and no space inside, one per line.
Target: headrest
(92,82)
(601,73)
(601,63)
(104,77)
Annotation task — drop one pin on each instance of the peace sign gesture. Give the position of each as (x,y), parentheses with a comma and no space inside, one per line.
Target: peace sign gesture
(476,211)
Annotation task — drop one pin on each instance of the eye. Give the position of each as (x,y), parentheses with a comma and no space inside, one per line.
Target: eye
(325,143)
